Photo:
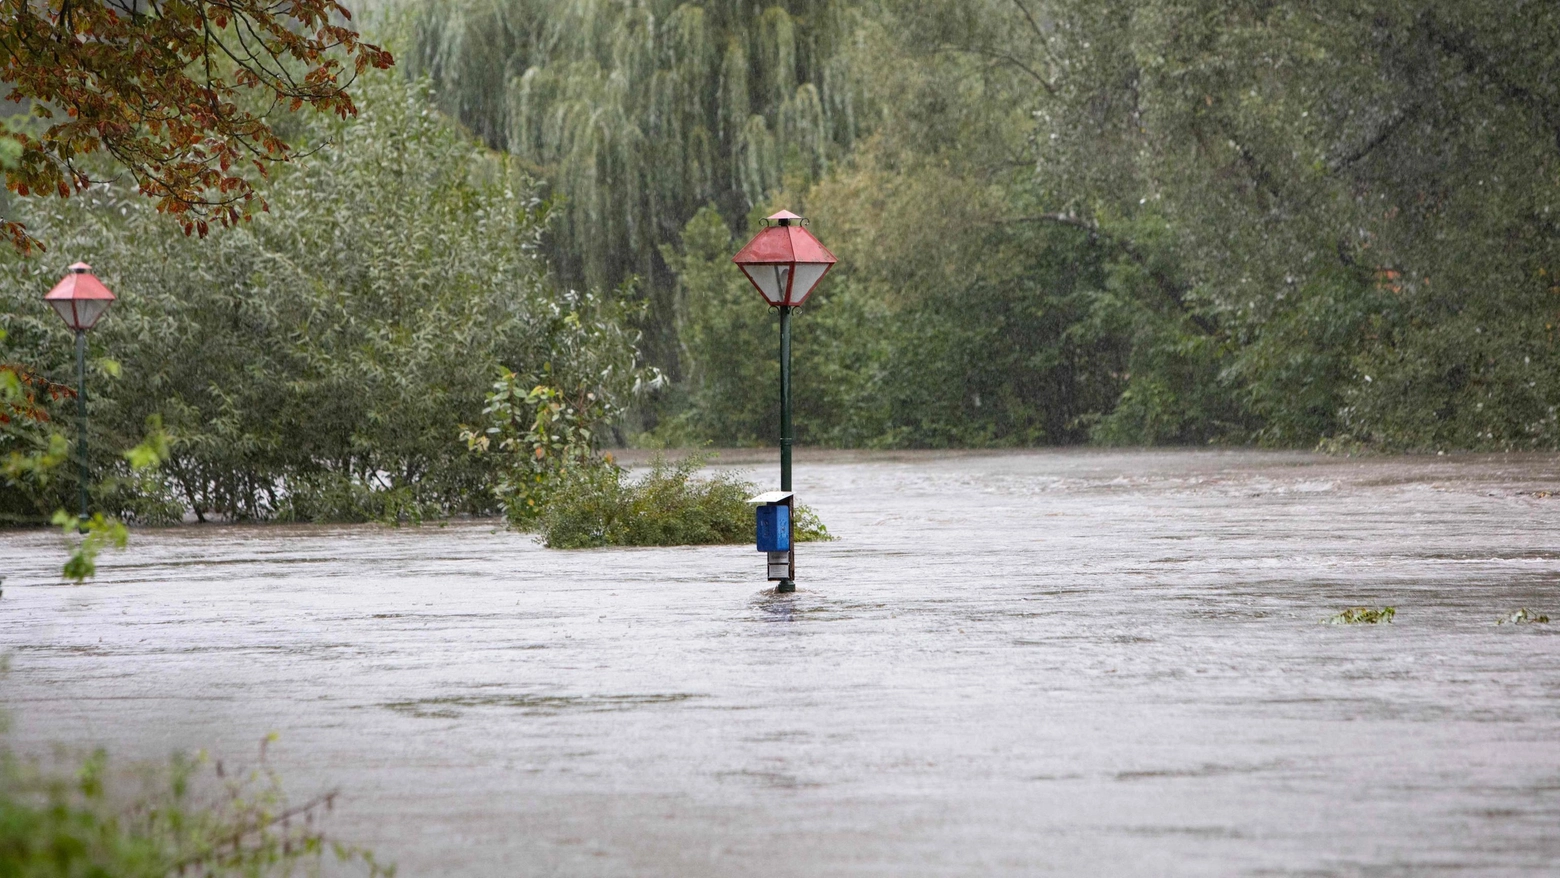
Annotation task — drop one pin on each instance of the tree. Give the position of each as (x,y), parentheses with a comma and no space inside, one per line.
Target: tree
(178,93)
(1313,220)
(318,362)
(1361,195)
(640,113)
(1150,221)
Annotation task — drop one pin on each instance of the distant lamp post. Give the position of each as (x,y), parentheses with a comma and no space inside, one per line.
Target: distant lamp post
(784,262)
(80,298)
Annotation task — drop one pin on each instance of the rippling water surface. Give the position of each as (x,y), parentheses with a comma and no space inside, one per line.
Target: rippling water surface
(1076,663)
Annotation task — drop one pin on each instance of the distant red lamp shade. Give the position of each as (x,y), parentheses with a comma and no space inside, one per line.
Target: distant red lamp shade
(784,262)
(80,298)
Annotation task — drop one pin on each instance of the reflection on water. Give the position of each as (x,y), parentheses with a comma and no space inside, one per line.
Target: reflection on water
(1068,662)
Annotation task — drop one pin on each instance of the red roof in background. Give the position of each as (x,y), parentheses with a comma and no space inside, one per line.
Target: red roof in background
(80,284)
(784,244)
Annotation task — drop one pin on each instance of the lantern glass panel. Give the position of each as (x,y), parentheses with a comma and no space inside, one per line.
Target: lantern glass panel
(807,276)
(66,309)
(90,310)
(770,280)
(80,314)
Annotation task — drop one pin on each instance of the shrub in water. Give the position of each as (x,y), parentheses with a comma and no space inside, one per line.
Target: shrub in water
(1363,616)
(670,506)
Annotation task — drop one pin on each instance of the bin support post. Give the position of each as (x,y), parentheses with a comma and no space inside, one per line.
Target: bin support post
(786,585)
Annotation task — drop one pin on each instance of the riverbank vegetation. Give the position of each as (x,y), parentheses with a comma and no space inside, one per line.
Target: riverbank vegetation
(1059,222)
(315,363)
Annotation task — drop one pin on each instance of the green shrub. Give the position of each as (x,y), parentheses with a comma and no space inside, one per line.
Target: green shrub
(600,506)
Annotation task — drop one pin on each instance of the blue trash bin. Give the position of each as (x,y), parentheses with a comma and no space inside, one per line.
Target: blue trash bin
(774,527)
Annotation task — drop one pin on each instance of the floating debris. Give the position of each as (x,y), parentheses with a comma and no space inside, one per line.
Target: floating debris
(1522,616)
(1362,616)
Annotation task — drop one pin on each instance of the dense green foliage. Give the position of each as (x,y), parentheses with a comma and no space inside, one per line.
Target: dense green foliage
(1065,221)
(317,362)
(1059,222)
(668,506)
(1359,197)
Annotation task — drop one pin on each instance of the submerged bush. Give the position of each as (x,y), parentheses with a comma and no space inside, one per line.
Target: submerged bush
(1362,616)
(601,506)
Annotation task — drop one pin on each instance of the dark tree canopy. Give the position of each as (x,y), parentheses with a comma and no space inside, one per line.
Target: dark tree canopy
(176,92)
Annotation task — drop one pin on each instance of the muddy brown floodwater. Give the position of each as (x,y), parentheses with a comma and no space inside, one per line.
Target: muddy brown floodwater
(1072,663)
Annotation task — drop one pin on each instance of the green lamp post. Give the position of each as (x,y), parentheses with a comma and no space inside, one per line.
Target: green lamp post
(784,262)
(80,298)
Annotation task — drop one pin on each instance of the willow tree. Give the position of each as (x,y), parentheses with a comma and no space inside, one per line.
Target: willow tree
(640,112)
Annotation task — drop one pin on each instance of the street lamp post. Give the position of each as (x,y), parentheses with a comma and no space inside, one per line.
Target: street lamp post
(80,298)
(784,262)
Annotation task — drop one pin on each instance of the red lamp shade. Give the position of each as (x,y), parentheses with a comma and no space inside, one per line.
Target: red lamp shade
(784,261)
(80,298)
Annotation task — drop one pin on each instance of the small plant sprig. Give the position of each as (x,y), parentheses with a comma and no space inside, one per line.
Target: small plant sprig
(543,434)
(100,532)
(1362,616)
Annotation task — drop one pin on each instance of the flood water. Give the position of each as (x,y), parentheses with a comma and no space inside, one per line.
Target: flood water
(1072,663)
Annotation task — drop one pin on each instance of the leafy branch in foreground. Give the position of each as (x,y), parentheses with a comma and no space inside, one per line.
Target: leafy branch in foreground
(161,89)
(100,532)
(33,451)
(190,817)
(97,534)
